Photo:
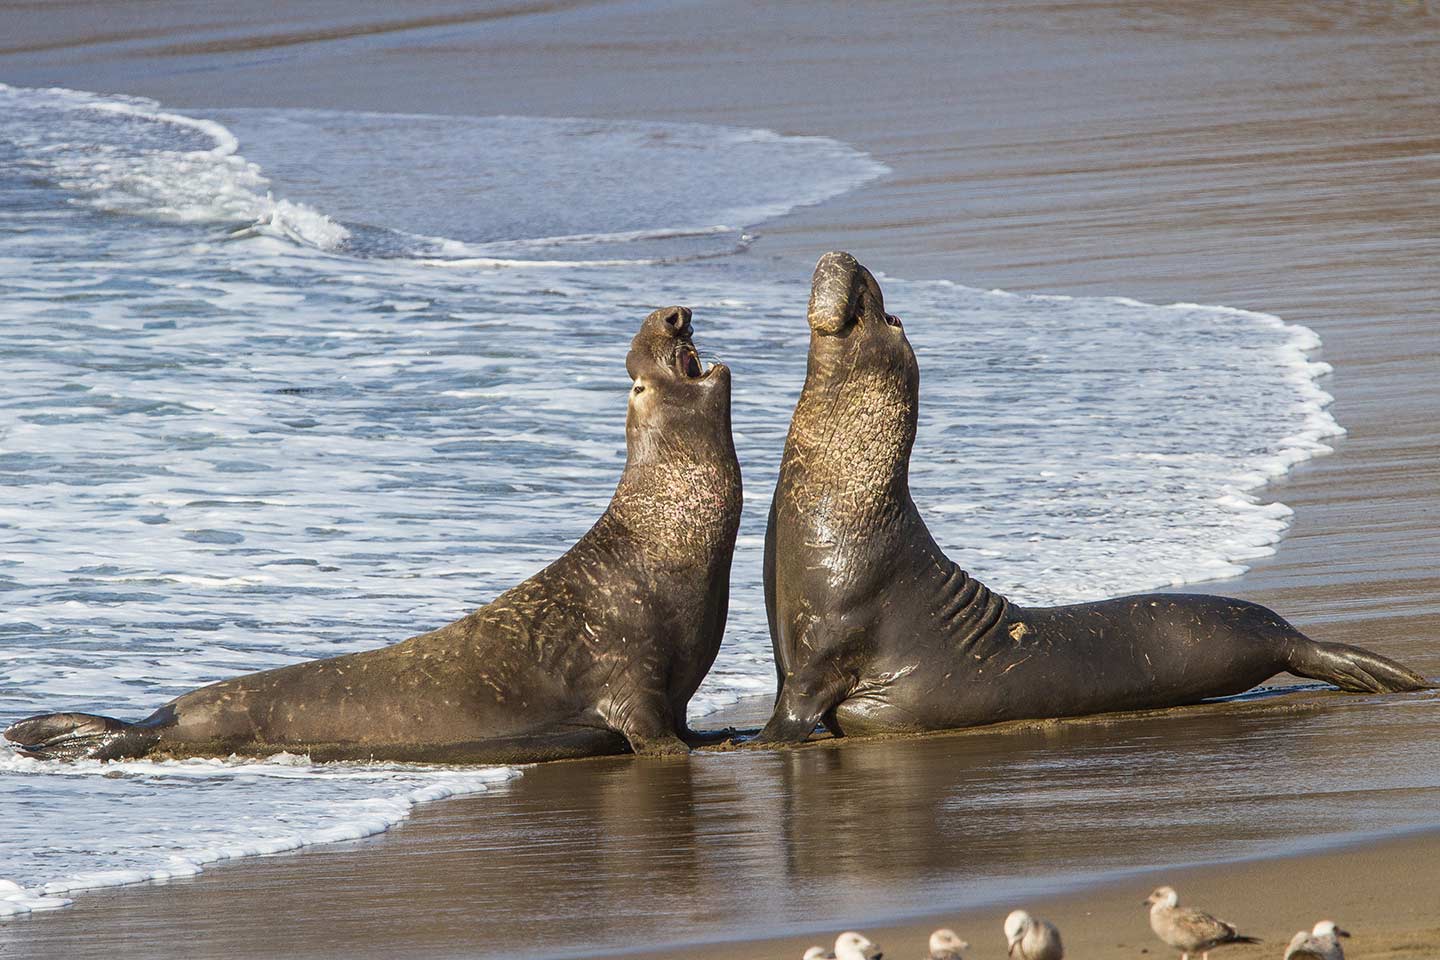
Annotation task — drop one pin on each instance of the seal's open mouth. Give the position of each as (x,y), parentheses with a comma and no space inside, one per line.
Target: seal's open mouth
(688,363)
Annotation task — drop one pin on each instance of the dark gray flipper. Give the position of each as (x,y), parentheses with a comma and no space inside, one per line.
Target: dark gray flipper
(1353,669)
(75,736)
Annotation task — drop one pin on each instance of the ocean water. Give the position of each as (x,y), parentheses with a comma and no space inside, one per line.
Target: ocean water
(285,384)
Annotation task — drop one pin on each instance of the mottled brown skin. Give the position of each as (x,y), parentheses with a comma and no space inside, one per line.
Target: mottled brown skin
(875,629)
(598,653)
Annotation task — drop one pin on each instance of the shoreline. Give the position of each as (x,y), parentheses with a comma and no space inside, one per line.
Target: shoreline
(351,884)
(1214,156)
(1106,919)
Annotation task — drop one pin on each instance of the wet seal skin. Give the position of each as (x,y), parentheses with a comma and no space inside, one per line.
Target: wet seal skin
(876,630)
(598,653)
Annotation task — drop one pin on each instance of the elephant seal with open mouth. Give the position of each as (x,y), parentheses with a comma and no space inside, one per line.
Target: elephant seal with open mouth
(599,652)
(875,629)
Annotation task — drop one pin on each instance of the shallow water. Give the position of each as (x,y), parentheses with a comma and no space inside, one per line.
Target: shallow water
(618,854)
(757,843)
(256,413)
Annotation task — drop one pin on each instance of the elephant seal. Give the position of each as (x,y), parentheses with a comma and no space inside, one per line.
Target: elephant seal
(598,652)
(875,629)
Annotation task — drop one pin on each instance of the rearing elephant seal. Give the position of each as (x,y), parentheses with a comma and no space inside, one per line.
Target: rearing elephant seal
(600,650)
(875,629)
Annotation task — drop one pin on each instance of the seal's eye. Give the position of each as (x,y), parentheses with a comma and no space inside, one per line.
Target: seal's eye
(639,389)
(891,319)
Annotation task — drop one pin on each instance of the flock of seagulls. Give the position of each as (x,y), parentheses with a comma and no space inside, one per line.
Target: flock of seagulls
(1185,929)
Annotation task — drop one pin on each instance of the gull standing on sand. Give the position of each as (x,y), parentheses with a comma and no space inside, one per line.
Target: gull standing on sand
(946,945)
(1322,943)
(1031,938)
(1188,930)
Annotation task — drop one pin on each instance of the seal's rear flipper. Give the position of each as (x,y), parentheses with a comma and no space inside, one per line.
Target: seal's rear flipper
(73,736)
(1353,669)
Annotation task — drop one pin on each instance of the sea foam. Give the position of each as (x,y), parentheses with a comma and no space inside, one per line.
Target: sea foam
(163,165)
(176,832)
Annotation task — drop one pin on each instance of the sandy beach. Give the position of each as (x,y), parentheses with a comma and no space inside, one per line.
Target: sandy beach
(1276,157)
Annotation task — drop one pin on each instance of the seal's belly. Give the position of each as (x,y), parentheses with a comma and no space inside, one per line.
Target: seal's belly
(1131,653)
(377,697)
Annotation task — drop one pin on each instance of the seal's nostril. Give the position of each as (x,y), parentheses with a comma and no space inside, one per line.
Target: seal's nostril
(674,320)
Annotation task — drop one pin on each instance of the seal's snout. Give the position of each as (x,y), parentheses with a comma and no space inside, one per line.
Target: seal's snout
(676,320)
(840,291)
(657,339)
(663,348)
(833,290)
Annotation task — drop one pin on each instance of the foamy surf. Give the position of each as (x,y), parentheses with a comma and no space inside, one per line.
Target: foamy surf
(161,831)
(181,168)
(576,190)
(233,449)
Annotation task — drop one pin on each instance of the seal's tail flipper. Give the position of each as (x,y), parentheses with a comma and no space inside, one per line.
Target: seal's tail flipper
(72,736)
(1353,669)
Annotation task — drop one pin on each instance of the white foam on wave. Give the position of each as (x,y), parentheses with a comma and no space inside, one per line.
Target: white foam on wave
(170,801)
(1287,436)
(455,248)
(184,169)
(596,190)
(482,263)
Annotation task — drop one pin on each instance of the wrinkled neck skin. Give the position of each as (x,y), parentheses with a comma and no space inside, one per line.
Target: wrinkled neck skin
(679,497)
(844,495)
(847,457)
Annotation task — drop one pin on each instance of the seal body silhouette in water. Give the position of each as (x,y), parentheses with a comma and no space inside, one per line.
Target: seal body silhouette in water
(875,629)
(597,653)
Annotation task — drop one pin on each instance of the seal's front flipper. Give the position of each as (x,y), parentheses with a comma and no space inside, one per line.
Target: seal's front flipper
(799,709)
(707,738)
(649,729)
(667,746)
(1353,669)
(75,736)
(652,737)
(788,727)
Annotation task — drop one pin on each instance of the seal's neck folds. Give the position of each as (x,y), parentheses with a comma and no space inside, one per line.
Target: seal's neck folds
(848,451)
(682,488)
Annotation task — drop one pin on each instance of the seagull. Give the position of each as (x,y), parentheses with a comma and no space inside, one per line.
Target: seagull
(1189,931)
(854,946)
(1322,943)
(946,945)
(1031,938)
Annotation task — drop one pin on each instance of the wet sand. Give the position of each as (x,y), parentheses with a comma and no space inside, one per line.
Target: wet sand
(779,848)
(1278,157)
